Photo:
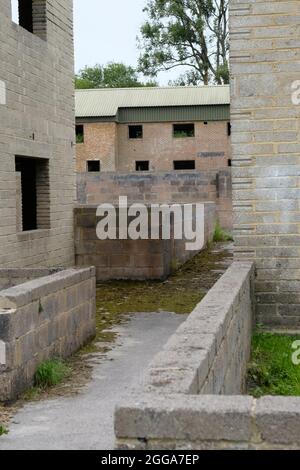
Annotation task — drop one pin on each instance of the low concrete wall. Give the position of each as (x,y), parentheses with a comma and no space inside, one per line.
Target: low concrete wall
(15,276)
(160,187)
(208,422)
(208,354)
(51,316)
(131,259)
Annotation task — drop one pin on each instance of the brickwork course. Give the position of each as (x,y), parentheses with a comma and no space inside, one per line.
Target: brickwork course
(109,143)
(106,117)
(37,121)
(265,145)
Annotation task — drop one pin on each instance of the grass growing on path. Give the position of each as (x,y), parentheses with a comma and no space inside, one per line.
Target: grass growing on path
(51,373)
(3,430)
(271,370)
(180,293)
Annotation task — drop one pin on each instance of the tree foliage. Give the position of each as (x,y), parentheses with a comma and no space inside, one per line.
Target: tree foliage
(190,33)
(112,75)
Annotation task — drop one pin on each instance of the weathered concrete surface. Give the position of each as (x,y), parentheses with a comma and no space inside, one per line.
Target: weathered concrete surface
(86,421)
(265,69)
(51,316)
(137,259)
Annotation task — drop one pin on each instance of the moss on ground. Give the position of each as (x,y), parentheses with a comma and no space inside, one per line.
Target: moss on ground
(271,370)
(116,300)
(180,294)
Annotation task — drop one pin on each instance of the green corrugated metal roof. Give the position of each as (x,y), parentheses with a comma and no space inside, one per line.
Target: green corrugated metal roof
(174,113)
(107,101)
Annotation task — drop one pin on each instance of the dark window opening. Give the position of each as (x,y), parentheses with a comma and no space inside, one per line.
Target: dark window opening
(142,166)
(135,132)
(33,195)
(31,15)
(228,129)
(230,162)
(184,130)
(93,166)
(184,165)
(205,123)
(79,134)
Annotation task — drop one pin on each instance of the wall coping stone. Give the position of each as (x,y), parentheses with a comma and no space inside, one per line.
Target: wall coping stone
(237,418)
(30,291)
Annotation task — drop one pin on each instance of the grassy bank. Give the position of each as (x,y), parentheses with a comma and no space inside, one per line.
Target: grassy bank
(271,369)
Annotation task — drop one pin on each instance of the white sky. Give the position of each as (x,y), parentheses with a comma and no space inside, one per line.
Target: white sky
(106,31)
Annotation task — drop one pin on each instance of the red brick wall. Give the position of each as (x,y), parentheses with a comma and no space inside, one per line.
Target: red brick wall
(110,143)
(100,143)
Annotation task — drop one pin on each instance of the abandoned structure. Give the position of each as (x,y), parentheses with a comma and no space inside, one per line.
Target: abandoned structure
(265,146)
(37,135)
(43,311)
(153,129)
(152,145)
(198,378)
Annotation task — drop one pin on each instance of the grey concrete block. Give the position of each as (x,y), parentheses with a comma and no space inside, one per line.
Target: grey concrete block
(185,418)
(278,418)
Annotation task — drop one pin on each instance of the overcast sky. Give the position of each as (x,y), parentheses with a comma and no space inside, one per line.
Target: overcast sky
(106,30)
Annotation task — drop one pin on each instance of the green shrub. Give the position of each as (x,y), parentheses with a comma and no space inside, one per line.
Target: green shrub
(220,235)
(51,373)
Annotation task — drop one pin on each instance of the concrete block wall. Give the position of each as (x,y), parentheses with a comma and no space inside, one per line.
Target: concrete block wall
(160,187)
(208,353)
(131,259)
(264,65)
(14,276)
(52,316)
(192,389)
(208,422)
(37,120)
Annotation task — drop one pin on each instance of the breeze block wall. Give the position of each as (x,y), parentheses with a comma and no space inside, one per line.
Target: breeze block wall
(45,317)
(182,187)
(37,121)
(192,397)
(265,67)
(133,259)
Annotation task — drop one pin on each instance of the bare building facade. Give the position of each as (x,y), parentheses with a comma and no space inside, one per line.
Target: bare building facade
(36,134)
(152,129)
(265,102)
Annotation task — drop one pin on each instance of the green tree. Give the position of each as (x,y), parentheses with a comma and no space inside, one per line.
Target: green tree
(90,77)
(190,33)
(111,75)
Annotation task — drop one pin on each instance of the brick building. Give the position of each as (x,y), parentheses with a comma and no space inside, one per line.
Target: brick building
(36,134)
(153,129)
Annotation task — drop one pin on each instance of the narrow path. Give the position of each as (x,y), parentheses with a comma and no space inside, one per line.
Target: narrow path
(85,422)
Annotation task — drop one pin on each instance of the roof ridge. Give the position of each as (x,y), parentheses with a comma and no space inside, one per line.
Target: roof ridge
(152,88)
